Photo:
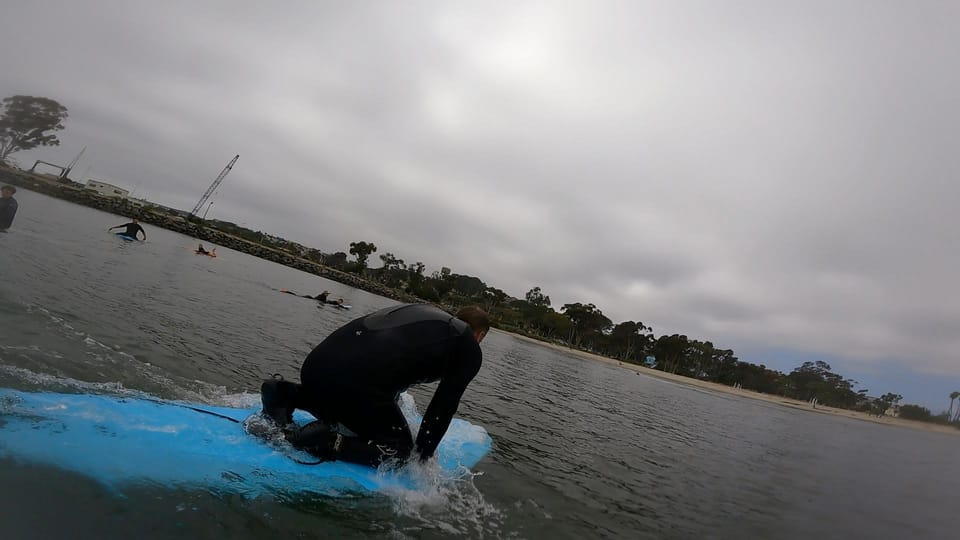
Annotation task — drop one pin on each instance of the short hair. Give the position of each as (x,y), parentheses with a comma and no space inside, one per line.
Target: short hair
(9,188)
(477,318)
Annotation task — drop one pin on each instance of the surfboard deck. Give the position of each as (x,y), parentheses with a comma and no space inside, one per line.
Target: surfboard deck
(125,237)
(121,441)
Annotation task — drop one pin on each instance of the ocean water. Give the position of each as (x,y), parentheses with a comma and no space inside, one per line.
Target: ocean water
(581,449)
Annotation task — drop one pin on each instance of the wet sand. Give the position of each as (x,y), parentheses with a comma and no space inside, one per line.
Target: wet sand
(749,394)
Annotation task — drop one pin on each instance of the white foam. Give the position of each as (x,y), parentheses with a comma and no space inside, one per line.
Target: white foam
(243,400)
(53,382)
(437,496)
(160,429)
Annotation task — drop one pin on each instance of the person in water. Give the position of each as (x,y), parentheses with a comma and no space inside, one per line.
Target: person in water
(202,251)
(133,228)
(352,380)
(321,297)
(8,207)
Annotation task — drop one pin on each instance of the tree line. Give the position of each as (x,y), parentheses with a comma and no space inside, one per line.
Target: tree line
(583,326)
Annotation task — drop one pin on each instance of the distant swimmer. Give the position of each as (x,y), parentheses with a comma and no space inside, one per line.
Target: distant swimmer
(133,228)
(8,207)
(352,380)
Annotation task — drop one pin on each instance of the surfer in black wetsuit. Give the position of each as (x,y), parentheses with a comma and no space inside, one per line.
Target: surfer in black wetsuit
(321,297)
(8,207)
(132,229)
(352,380)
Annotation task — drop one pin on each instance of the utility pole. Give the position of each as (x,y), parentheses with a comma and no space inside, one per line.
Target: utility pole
(213,187)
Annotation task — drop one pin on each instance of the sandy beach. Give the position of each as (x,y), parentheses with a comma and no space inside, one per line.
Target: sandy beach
(749,394)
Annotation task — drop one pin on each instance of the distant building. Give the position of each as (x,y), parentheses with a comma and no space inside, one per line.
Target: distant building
(106,190)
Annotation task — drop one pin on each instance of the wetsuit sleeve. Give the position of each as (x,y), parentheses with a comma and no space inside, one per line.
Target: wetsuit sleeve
(460,371)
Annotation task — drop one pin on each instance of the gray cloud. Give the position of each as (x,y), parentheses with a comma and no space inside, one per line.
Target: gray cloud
(758,175)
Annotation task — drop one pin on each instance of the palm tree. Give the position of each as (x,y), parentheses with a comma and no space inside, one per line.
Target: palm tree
(953,396)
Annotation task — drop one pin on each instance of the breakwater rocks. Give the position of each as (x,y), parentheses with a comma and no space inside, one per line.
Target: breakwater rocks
(164,218)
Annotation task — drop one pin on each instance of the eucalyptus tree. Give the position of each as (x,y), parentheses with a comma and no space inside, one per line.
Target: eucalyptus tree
(588,323)
(28,122)
(362,251)
(630,341)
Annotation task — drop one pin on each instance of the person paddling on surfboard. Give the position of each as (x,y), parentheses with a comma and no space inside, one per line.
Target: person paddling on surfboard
(352,380)
(132,229)
(321,297)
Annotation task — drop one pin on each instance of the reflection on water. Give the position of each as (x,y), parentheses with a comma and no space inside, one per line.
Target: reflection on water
(580,449)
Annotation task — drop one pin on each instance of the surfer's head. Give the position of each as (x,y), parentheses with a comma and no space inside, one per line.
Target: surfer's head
(477,319)
(8,191)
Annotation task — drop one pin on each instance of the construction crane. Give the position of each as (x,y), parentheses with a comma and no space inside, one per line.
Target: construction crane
(73,163)
(213,187)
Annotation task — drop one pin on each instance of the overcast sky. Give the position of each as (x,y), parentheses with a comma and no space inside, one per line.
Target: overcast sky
(779,178)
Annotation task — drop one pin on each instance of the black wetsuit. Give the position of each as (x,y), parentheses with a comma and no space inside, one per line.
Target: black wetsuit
(355,376)
(132,230)
(8,209)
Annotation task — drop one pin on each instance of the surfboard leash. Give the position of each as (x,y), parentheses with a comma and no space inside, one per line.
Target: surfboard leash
(234,420)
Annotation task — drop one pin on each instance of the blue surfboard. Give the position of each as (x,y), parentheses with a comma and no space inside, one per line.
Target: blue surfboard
(128,441)
(125,237)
